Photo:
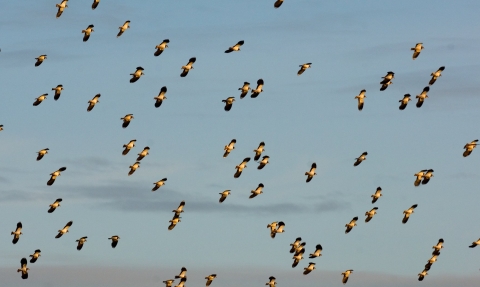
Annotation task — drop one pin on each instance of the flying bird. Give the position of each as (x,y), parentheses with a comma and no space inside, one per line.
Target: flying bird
(317,253)
(228,103)
(279,229)
(143,153)
(64,230)
(224,195)
(475,243)
(123,28)
(297,257)
(389,76)
(419,176)
(35,256)
(272,227)
(278,3)
(161,96)
(181,283)
(272,282)
(40,59)
(228,148)
(257,191)
(258,90)
(427,176)
(346,274)
(42,153)
(370,214)
(351,224)
(422,96)
(385,85)
(309,268)
(360,159)
(169,282)
(58,90)
(295,244)
(128,147)
(436,74)
(241,167)
(310,174)
(23,268)
(361,98)
(376,195)
(54,175)
(303,68)
(159,184)
(235,47)
(469,148)
(54,205)
(210,279)
(244,89)
(174,221)
(1,128)
(263,162)
(183,273)
(179,209)
(87,32)
(40,99)
(259,150)
(16,234)
(126,120)
(438,247)
(422,275)
(114,239)
(188,67)
(416,50)
(404,101)
(134,167)
(61,7)
(138,73)
(93,102)
(81,241)
(95,4)
(161,47)
(408,212)
(300,249)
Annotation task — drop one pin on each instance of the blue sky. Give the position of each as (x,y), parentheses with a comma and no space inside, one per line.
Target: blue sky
(311,118)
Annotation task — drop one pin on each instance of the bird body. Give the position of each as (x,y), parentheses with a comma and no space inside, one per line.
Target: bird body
(175,220)
(87,32)
(438,247)
(303,68)
(64,229)
(361,98)
(58,90)
(54,205)
(40,99)
(183,273)
(179,209)
(161,47)
(224,195)
(123,28)
(236,47)
(228,148)
(257,191)
(351,224)
(93,102)
(241,167)
(188,67)
(16,234)
(407,213)
(228,103)
(40,59)
(385,85)
(258,90)
(169,282)
(297,257)
(134,167)
(279,229)
(159,184)
(161,97)
(295,244)
(310,174)
(416,50)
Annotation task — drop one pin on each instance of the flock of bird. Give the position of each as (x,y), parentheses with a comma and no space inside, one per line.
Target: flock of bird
(297,247)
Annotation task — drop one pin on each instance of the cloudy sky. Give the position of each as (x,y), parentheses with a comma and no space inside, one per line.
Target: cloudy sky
(306,119)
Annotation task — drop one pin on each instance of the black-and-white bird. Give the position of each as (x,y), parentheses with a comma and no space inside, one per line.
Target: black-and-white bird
(419,176)
(159,184)
(297,257)
(385,85)
(161,96)
(182,274)
(351,224)
(123,28)
(240,167)
(427,176)
(272,282)
(228,148)
(300,248)
(210,278)
(389,76)
(257,191)
(143,153)
(81,241)
(174,221)
(179,209)
(438,247)
(404,101)
(61,7)
(58,90)
(114,239)
(35,256)
(422,275)
(244,89)
(181,283)
(188,67)
(346,274)
(40,59)
(40,99)
(475,243)
(311,173)
(128,147)
(235,47)
(317,253)
(224,195)
(93,102)
(54,175)
(138,73)
(361,99)
(280,229)
(87,32)
(161,47)
(259,150)
(42,153)
(278,3)
(228,103)
(126,120)
(303,68)
(361,158)
(295,244)
(408,212)
(95,4)
(273,227)
(416,50)
(422,96)
(64,229)
(134,167)
(16,234)
(169,282)
(376,195)
(263,162)
(23,268)
(258,90)
(54,205)
(309,268)
(469,147)
(370,214)
(435,75)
